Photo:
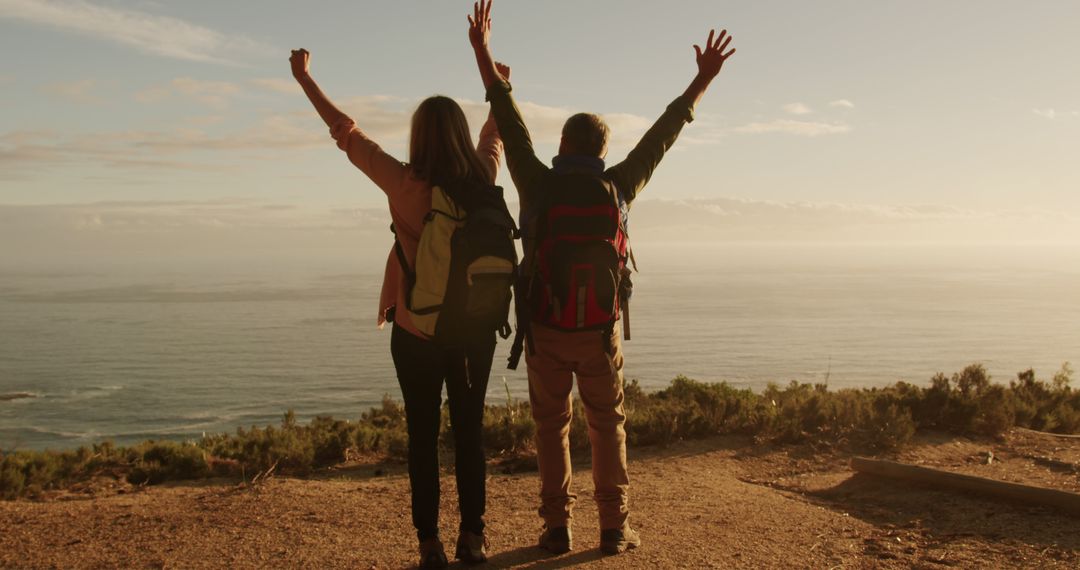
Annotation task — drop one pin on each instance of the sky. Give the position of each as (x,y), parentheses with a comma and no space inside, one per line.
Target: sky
(835,120)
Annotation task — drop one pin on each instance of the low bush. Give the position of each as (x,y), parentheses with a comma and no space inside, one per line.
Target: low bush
(886,418)
(154,462)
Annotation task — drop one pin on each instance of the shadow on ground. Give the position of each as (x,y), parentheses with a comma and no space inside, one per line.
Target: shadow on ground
(533,558)
(933,516)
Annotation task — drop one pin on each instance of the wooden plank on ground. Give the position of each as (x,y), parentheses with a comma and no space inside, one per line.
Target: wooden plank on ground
(1049,434)
(1028,494)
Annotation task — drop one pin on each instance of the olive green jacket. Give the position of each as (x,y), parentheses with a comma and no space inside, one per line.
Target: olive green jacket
(629,176)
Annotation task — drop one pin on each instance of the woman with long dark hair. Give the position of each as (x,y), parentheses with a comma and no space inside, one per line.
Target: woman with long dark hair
(441,153)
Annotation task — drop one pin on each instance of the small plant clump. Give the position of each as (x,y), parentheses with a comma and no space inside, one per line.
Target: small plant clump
(885,418)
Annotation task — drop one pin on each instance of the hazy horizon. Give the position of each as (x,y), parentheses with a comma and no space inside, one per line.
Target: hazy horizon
(55,234)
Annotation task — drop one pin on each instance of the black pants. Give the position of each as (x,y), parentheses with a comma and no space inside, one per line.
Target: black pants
(421,368)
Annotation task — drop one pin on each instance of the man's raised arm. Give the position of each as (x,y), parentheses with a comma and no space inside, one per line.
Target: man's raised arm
(525,169)
(631,175)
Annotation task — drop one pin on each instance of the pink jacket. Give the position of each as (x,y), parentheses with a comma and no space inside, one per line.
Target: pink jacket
(410,201)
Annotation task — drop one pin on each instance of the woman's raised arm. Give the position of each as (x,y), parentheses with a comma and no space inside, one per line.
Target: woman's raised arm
(300,60)
(384,170)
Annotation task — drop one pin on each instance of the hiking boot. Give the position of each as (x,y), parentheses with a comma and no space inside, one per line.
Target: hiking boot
(432,554)
(471,548)
(556,540)
(619,540)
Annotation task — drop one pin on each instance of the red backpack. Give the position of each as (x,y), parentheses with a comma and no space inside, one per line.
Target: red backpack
(577,278)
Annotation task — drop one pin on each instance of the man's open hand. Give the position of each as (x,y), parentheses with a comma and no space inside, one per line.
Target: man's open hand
(712,58)
(300,61)
(480,24)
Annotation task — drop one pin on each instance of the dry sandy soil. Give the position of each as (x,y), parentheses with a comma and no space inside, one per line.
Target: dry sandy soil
(721,503)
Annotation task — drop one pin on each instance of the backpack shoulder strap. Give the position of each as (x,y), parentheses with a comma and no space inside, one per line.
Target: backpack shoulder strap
(400,251)
(624,220)
(410,274)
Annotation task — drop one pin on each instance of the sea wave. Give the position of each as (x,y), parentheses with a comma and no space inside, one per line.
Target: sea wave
(12,396)
(88,393)
(58,433)
(157,433)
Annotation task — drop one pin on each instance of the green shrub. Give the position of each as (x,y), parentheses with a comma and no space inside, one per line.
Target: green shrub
(288,449)
(12,478)
(688,409)
(994,412)
(890,426)
(154,462)
(509,429)
(887,418)
(396,444)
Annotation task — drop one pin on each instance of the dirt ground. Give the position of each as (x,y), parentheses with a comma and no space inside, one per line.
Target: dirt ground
(720,503)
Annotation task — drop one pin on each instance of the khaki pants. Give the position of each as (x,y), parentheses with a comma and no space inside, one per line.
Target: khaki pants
(558,357)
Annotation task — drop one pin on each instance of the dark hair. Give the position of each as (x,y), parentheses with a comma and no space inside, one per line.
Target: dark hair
(441,150)
(585,133)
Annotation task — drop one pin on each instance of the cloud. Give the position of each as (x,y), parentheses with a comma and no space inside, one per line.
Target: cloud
(25,154)
(215,94)
(1052,114)
(738,219)
(791,127)
(161,232)
(842,103)
(797,109)
(387,118)
(545,123)
(200,142)
(276,85)
(170,216)
(153,94)
(80,91)
(30,160)
(626,129)
(207,141)
(157,35)
(212,93)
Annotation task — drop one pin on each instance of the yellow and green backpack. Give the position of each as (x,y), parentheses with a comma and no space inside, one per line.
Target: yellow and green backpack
(466,264)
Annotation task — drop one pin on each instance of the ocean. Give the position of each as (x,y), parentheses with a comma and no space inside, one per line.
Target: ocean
(128,352)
